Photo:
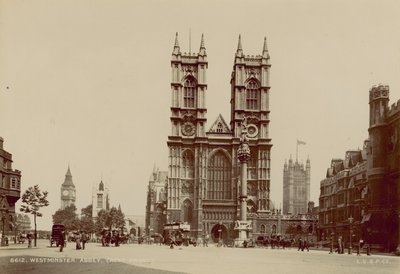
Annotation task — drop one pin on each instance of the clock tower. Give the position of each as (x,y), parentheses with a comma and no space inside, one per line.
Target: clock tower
(67,191)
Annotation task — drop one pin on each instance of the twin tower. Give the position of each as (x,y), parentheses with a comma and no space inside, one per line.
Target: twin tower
(204,172)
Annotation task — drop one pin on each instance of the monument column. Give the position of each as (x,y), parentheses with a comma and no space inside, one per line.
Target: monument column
(244,155)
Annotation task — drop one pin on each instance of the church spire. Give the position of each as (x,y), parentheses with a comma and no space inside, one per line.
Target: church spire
(202,47)
(265,53)
(239,51)
(176,45)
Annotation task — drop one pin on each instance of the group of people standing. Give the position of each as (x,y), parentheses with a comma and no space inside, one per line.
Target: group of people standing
(81,238)
(303,244)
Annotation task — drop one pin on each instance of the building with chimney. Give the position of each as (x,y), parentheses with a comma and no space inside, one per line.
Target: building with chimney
(68,191)
(296,187)
(10,191)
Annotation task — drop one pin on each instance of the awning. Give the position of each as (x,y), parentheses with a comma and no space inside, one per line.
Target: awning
(366,218)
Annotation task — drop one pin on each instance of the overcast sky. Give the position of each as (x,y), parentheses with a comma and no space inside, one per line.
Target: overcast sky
(88,83)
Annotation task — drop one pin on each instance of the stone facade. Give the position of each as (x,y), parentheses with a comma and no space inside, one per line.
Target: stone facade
(296,187)
(156,202)
(383,170)
(10,190)
(362,192)
(68,191)
(204,171)
(100,199)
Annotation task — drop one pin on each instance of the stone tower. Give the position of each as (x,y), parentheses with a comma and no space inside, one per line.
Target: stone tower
(203,173)
(378,105)
(250,100)
(296,187)
(68,192)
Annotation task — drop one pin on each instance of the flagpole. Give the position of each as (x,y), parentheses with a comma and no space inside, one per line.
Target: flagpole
(297,147)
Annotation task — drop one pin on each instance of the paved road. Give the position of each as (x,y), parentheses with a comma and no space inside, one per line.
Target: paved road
(134,258)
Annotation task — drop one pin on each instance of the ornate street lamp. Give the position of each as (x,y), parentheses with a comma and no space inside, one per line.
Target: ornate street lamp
(351,232)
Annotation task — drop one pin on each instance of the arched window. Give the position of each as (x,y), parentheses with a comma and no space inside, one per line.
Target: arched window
(252,95)
(187,211)
(189,93)
(262,229)
(273,229)
(219,177)
(187,164)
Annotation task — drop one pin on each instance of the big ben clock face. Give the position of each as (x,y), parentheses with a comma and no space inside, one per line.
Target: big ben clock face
(65,192)
(188,129)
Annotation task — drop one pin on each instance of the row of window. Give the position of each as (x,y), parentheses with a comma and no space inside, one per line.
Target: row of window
(252,94)
(14,183)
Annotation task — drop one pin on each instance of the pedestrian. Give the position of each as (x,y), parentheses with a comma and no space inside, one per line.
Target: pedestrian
(78,241)
(61,241)
(172,241)
(29,236)
(340,245)
(205,240)
(360,245)
(300,244)
(305,245)
(84,239)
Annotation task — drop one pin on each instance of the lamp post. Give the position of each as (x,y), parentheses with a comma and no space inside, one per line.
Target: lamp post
(351,232)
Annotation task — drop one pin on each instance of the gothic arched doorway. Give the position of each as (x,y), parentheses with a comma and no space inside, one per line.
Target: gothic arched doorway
(219,231)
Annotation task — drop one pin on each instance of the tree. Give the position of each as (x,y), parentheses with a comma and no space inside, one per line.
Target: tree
(86,222)
(109,219)
(33,199)
(101,221)
(67,217)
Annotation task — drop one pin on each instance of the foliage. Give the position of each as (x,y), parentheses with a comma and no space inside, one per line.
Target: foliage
(32,200)
(86,222)
(67,217)
(113,218)
(87,211)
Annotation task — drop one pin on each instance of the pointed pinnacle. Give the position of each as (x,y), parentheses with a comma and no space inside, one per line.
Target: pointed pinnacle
(239,44)
(265,48)
(176,41)
(202,41)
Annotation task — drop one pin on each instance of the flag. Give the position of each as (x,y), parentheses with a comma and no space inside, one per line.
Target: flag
(300,142)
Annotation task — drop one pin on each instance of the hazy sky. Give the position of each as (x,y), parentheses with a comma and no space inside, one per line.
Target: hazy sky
(89,83)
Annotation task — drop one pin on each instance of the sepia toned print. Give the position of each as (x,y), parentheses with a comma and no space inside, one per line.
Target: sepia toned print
(222,136)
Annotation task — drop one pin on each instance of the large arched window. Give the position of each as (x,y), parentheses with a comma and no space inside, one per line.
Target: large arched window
(187,164)
(252,95)
(219,177)
(189,93)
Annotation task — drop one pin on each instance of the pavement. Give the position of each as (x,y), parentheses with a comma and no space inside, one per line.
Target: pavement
(133,258)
